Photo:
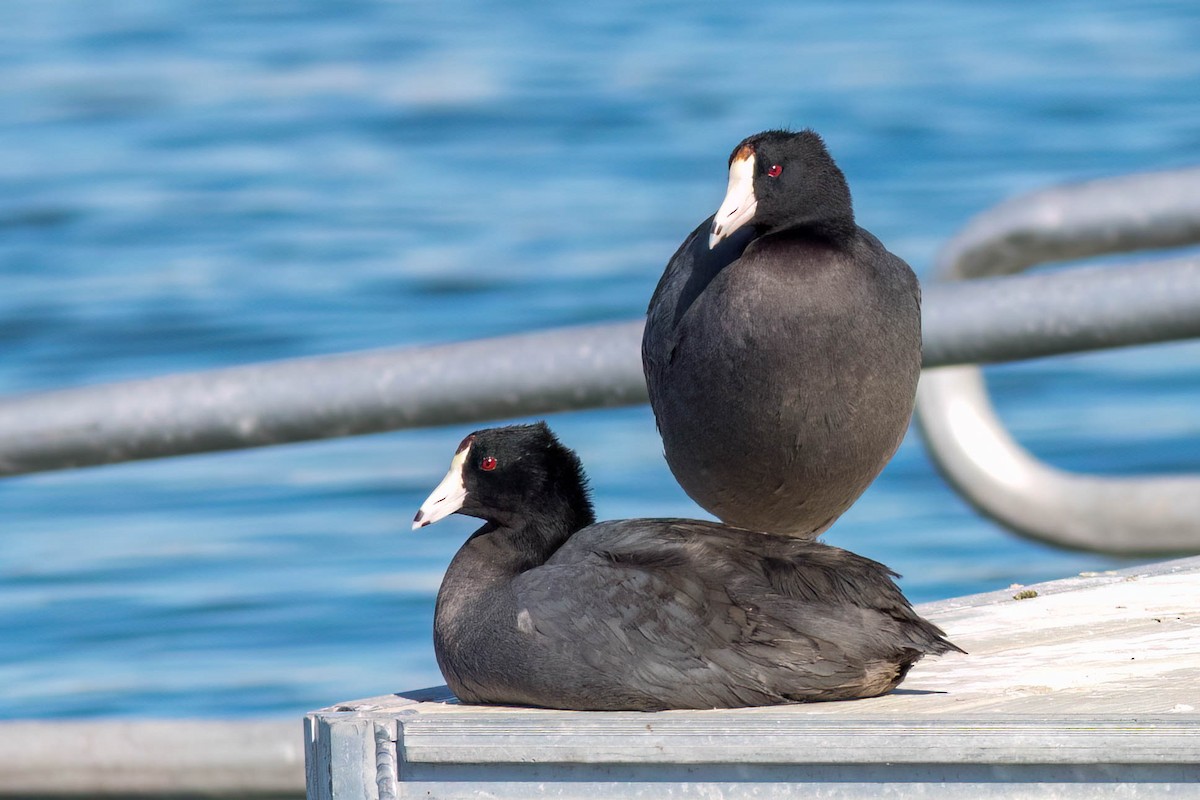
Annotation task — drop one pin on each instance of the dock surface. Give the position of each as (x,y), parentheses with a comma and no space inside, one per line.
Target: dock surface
(1086,687)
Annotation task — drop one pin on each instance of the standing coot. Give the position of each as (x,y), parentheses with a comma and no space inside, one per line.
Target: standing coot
(542,607)
(782,345)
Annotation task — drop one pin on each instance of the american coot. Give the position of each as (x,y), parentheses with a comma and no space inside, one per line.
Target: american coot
(544,607)
(782,345)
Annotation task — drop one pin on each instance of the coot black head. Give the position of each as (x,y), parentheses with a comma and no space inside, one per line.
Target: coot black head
(500,473)
(778,179)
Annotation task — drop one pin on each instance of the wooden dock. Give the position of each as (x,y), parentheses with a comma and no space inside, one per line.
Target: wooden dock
(1087,687)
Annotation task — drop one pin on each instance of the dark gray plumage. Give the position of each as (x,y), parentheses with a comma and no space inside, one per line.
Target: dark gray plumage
(542,607)
(782,362)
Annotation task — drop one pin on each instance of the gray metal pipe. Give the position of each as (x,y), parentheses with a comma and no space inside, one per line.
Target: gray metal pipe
(1122,515)
(1146,211)
(539,373)
(323,397)
(992,320)
(152,758)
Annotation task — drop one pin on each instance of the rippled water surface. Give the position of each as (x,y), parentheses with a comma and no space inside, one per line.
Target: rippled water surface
(189,185)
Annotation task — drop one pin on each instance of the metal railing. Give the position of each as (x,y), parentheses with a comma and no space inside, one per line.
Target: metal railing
(977,321)
(1121,515)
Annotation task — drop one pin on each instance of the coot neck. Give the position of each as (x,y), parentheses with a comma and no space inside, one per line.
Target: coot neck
(837,229)
(823,207)
(513,542)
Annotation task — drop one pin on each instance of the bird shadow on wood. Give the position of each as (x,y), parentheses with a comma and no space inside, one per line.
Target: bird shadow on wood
(433,694)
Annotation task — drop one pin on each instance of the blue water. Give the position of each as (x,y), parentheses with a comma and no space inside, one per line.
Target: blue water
(186,185)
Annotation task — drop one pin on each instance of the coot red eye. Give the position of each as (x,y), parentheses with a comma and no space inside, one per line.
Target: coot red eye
(774,170)
(487,463)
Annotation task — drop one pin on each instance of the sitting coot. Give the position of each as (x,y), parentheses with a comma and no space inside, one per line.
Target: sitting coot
(544,607)
(782,345)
